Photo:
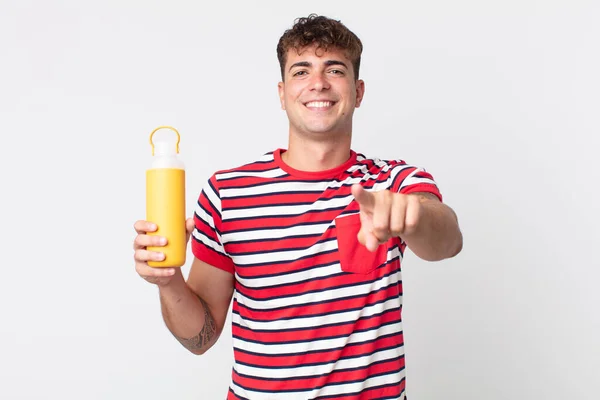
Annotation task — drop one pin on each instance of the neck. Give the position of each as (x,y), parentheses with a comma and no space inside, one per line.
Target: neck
(313,156)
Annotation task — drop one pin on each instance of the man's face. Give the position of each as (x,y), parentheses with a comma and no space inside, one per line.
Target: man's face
(320,93)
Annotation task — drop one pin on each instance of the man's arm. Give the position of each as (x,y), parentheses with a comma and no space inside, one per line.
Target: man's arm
(437,235)
(195,311)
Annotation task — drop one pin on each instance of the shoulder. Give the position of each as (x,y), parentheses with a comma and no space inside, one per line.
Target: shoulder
(261,170)
(380,164)
(260,163)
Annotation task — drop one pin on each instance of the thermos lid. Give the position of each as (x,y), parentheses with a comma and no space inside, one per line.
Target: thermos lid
(164,147)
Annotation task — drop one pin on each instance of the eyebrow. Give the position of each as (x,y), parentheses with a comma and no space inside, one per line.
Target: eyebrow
(327,63)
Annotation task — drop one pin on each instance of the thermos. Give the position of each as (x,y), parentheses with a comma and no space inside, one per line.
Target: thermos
(165,200)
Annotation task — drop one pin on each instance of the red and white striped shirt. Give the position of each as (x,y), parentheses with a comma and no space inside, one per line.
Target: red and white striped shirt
(315,314)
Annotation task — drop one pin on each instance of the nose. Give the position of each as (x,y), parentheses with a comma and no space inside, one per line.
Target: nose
(319,82)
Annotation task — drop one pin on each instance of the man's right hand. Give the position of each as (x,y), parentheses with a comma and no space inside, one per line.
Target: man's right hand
(195,309)
(159,276)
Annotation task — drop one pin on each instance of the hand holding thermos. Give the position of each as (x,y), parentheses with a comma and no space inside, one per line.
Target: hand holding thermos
(146,239)
(161,242)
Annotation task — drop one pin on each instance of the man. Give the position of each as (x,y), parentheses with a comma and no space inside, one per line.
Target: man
(308,241)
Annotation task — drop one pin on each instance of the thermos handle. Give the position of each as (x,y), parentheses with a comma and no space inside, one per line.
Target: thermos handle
(165,127)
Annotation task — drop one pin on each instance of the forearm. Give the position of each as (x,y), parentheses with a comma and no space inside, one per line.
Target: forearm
(187,316)
(438,235)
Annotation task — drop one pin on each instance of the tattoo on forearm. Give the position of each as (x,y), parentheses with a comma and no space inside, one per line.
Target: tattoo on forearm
(206,334)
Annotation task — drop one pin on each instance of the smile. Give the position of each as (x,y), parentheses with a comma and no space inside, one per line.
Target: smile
(319,104)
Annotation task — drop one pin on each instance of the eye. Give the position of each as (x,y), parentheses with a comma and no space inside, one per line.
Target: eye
(299,73)
(336,72)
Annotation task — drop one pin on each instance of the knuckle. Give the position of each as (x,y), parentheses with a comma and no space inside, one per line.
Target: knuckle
(410,224)
(140,255)
(139,226)
(140,240)
(398,227)
(380,226)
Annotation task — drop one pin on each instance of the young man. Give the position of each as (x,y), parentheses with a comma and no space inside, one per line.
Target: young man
(308,241)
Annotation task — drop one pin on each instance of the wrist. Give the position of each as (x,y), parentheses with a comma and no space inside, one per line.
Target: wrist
(174,284)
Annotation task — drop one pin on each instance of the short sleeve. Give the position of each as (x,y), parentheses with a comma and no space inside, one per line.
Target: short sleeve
(410,179)
(207,242)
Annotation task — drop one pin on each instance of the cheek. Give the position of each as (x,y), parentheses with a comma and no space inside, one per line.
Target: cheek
(294,92)
(293,99)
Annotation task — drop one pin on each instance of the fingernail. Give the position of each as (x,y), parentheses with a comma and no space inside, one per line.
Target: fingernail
(162,240)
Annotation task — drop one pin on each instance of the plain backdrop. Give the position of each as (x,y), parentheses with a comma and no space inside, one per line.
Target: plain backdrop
(499,100)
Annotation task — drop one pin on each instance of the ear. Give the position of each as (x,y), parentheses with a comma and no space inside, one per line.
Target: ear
(360,91)
(281,90)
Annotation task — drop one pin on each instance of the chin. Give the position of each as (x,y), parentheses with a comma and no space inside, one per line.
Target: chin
(320,128)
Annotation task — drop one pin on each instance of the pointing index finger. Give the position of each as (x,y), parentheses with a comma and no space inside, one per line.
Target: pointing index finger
(363,197)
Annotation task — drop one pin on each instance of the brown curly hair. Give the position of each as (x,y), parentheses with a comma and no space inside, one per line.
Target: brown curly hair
(325,33)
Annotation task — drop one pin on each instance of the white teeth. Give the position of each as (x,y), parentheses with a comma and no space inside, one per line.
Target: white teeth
(319,104)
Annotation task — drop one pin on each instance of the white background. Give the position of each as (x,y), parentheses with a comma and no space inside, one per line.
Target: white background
(499,100)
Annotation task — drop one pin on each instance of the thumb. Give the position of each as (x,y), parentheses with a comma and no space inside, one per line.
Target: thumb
(365,199)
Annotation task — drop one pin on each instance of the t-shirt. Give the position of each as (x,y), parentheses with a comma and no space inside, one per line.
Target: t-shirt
(315,315)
